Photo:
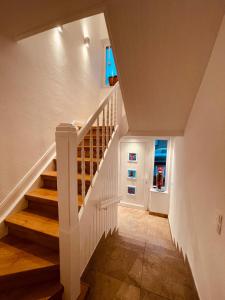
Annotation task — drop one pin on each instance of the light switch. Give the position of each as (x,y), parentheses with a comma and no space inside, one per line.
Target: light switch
(219,223)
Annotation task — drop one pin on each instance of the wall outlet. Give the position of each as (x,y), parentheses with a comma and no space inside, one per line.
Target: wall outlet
(219,223)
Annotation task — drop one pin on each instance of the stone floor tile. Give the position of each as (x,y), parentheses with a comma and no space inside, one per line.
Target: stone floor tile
(139,262)
(123,261)
(104,287)
(165,275)
(145,295)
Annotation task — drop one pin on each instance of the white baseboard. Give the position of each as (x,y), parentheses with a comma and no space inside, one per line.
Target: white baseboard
(131,205)
(9,203)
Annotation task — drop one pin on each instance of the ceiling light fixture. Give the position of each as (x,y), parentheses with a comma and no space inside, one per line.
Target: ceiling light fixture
(87,42)
(59,29)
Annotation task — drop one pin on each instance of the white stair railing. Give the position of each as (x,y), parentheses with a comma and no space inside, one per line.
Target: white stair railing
(66,138)
(90,144)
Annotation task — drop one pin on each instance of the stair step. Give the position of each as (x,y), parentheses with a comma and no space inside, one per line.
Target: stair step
(86,159)
(23,263)
(87,153)
(84,289)
(87,162)
(45,197)
(94,141)
(94,128)
(43,291)
(38,228)
(48,197)
(50,180)
(88,146)
(52,175)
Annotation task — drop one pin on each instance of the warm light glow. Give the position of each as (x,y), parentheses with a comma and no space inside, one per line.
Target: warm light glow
(58,50)
(59,29)
(84,25)
(87,42)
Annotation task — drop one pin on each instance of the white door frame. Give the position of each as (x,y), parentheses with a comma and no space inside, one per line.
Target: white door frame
(147,166)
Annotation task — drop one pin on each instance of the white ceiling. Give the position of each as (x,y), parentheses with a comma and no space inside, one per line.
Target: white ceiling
(161,47)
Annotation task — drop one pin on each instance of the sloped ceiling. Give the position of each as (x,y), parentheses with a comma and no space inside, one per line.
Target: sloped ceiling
(162,49)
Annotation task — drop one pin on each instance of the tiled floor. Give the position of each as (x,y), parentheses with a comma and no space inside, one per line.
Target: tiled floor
(139,262)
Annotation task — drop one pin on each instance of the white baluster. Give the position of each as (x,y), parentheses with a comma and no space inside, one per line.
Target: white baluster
(91,155)
(107,125)
(115,109)
(103,131)
(66,149)
(111,115)
(97,142)
(83,171)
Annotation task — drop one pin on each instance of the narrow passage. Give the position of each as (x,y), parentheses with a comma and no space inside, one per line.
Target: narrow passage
(139,262)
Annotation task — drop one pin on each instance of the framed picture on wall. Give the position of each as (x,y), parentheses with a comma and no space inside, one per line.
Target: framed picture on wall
(131,190)
(132,174)
(132,157)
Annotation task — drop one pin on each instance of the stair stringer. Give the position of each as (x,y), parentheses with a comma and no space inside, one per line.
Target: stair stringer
(15,200)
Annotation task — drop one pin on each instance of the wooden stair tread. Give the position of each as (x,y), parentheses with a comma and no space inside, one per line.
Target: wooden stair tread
(36,222)
(44,194)
(53,175)
(41,291)
(84,289)
(50,195)
(17,255)
(88,146)
(86,159)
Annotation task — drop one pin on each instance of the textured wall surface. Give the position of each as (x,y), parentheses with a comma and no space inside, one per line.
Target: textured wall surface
(198,181)
(46,79)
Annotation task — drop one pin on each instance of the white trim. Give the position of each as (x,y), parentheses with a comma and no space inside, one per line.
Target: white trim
(154,133)
(17,193)
(167,164)
(108,202)
(154,190)
(105,43)
(131,205)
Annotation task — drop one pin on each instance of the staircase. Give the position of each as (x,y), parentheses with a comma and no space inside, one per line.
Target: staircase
(29,253)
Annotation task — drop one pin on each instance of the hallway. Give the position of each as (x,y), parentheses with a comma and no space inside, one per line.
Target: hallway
(139,262)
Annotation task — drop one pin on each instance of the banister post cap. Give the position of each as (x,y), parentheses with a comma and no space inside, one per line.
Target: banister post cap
(66,127)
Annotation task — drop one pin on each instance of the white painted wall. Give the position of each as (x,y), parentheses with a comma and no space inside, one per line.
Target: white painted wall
(46,79)
(129,145)
(198,190)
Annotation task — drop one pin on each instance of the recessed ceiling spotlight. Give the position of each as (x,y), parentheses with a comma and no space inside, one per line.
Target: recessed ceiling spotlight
(87,42)
(59,29)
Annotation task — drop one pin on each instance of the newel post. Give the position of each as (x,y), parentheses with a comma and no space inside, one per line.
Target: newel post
(69,248)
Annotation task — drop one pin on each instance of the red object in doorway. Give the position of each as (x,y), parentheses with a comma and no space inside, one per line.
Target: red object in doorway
(159,178)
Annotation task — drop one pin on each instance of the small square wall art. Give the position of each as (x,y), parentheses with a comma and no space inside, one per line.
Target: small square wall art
(132,174)
(132,157)
(131,190)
